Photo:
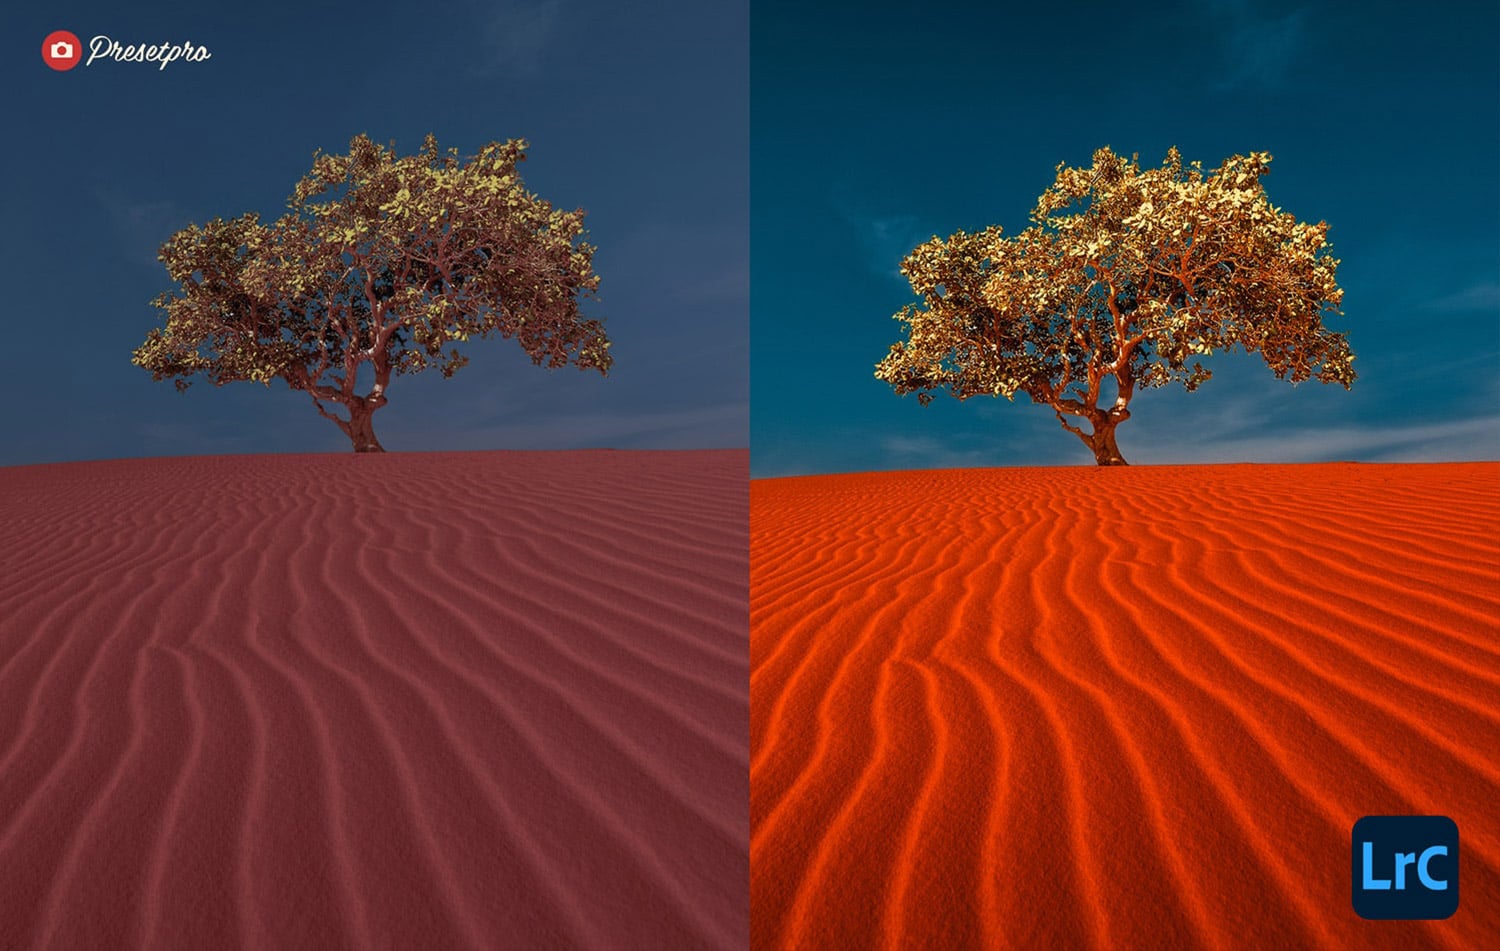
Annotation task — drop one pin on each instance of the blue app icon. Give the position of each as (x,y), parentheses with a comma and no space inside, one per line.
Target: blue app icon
(1405,867)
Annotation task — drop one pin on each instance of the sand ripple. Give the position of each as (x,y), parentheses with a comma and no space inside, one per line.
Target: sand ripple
(438,700)
(1131,708)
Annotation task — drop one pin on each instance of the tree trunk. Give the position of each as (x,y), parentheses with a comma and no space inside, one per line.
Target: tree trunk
(1102,441)
(360,428)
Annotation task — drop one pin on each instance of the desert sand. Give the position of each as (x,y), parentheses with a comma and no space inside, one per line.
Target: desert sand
(1118,708)
(436,700)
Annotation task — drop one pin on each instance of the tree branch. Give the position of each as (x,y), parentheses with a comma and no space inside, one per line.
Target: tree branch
(1073,407)
(327,415)
(298,378)
(1075,430)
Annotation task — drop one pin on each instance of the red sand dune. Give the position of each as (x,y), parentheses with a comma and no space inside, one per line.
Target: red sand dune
(1122,708)
(490,699)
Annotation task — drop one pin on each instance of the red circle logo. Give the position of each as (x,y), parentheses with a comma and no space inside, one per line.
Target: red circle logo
(61,50)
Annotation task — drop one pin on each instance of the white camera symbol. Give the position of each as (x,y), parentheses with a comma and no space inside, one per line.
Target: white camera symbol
(62,50)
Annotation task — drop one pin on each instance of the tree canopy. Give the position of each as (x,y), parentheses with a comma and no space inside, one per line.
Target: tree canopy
(386,260)
(1126,277)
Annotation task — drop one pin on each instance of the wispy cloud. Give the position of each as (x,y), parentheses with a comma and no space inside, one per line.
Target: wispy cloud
(1259,46)
(718,425)
(729,283)
(1459,440)
(1024,444)
(1481,296)
(885,236)
(691,263)
(141,226)
(890,240)
(1242,416)
(514,35)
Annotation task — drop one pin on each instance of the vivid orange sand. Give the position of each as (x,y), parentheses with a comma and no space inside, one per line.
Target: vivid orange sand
(1117,708)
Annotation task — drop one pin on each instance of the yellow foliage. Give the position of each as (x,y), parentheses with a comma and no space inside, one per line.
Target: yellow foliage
(412,251)
(1124,274)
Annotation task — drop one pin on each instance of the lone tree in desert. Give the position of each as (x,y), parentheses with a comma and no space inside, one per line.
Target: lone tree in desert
(383,261)
(1125,278)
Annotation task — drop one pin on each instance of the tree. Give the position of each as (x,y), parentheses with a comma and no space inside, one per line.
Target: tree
(383,261)
(1125,278)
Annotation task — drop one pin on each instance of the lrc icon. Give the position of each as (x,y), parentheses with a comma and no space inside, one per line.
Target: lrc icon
(1405,867)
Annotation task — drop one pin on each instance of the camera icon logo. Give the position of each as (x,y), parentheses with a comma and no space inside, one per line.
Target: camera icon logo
(61,50)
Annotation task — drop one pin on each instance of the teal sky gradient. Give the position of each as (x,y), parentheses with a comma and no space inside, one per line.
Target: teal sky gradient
(877,125)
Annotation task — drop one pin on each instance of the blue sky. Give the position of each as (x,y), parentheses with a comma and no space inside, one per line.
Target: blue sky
(635,112)
(875,126)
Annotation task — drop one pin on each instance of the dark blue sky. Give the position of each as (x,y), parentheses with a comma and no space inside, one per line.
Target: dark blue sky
(635,112)
(875,126)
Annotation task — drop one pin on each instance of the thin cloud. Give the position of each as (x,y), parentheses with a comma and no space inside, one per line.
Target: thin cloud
(141,226)
(1461,440)
(1464,440)
(718,270)
(1259,47)
(730,283)
(515,35)
(716,425)
(890,240)
(928,452)
(885,238)
(912,445)
(1482,296)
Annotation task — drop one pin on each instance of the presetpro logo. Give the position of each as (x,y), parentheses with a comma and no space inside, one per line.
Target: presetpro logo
(61,50)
